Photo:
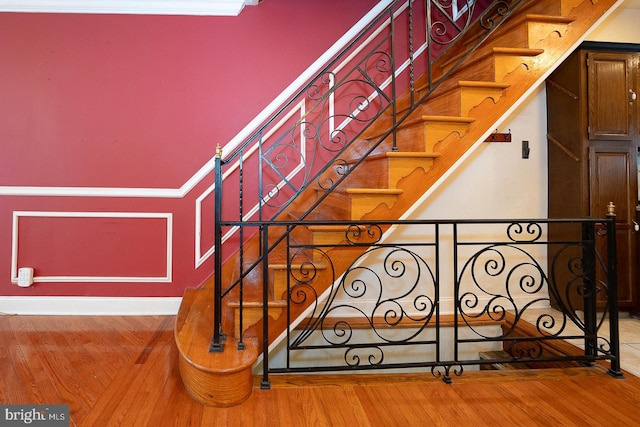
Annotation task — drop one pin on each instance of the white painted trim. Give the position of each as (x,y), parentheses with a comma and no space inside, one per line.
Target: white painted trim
(137,7)
(93,279)
(90,306)
(19,190)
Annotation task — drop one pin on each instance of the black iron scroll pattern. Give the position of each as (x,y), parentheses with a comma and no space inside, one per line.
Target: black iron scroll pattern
(394,296)
(572,270)
(493,275)
(492,278)
(338,108)
(497,11)
(449,18)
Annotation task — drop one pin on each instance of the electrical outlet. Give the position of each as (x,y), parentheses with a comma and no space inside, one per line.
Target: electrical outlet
(25,277)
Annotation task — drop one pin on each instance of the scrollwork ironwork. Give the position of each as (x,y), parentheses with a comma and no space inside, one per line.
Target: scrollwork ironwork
(516,232)
(354,356)
(363,235)
(444,372)
(379,295)
(494,274)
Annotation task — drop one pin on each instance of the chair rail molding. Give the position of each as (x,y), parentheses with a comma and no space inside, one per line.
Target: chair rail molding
(136,7)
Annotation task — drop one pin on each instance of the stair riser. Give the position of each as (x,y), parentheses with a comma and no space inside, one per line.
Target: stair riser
(364,204)
(370,174)
(506,64)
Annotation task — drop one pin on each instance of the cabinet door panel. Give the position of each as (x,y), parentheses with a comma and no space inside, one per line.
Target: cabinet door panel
(612,179)
(610,79)
(612,170)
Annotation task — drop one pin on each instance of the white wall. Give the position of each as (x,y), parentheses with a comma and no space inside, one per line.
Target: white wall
(495,181)
(620,27)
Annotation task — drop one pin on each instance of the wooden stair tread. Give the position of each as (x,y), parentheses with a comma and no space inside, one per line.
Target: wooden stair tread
(448,119)
(404,155)
(483,84)
(397,154)
(555,19)
(517,51)
(412,155)
(258,304)
(284,266)
(374,191)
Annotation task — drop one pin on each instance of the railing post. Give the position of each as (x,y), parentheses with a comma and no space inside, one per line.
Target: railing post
(216,344)
(612,280)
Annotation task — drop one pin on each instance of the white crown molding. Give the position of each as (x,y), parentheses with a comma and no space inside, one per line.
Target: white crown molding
(136,7)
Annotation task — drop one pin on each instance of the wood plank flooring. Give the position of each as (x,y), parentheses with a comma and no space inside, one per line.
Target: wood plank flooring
(122,371)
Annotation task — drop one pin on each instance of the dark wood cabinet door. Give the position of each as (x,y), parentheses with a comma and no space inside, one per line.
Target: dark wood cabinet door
(613,179)
(613,157)
(610,91)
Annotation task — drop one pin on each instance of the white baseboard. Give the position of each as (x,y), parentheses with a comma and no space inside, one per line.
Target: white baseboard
(90,306)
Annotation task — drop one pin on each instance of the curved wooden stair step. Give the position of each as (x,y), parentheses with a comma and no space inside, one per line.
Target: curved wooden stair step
(213,378)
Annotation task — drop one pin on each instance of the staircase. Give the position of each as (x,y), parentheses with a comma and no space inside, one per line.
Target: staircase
(479,91)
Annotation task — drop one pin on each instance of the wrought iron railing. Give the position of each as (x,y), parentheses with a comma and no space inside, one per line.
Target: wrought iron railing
(394,294)
(316,139)
(436,295)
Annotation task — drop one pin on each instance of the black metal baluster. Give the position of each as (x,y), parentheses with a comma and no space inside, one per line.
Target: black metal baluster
(589,293)
(265,384)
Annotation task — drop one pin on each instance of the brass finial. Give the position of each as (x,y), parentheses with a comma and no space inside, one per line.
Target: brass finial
(611,209)
(218,151)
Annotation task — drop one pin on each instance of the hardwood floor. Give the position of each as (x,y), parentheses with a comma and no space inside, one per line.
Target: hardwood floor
(122,371)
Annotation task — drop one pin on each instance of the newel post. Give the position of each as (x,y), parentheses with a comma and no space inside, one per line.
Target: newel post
(216,344)
(612,279)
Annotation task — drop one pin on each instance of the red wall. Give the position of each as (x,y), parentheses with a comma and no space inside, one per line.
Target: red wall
(128,101)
